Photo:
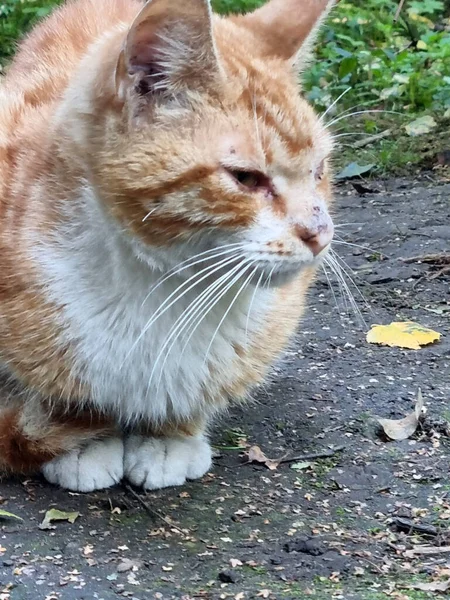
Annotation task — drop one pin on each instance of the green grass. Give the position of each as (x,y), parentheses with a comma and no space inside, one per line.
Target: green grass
(401,69)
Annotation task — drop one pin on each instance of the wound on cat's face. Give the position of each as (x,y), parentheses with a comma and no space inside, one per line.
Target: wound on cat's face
(205,139)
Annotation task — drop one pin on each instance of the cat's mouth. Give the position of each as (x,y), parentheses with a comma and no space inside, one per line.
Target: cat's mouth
(277,269)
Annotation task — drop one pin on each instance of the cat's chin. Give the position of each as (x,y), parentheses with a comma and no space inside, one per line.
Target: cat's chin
(281,276)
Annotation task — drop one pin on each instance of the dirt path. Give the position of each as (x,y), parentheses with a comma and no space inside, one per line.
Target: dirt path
(342,527)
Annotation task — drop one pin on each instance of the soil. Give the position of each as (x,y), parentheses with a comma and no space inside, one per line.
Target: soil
(352,525)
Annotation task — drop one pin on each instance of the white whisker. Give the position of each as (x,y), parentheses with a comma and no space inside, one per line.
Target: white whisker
(207,272)
(187,264)
(230,306)
(333,104)
(251,306)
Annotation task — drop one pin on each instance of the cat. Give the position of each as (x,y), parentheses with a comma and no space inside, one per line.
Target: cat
(164,204)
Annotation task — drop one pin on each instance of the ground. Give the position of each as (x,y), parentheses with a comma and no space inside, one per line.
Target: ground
(348,526)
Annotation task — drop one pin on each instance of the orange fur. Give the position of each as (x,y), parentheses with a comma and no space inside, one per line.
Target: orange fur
(69,107)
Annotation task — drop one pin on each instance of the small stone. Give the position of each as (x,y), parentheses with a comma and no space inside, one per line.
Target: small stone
(8,563)
(228,576)
(305,545)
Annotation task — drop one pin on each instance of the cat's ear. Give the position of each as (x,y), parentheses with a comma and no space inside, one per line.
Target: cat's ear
(169,47)
(287,28)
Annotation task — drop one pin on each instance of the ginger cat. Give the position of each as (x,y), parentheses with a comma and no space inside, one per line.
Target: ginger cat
(164,195)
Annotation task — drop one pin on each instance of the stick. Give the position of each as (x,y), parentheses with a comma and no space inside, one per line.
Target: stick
(441,259)
(409,527)
(285,459)
(152,511)
(324,454)
(399,10)
(372,138)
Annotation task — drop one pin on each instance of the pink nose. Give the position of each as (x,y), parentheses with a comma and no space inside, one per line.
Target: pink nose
(316,237)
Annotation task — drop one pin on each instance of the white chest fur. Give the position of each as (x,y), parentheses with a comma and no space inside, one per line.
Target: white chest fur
(141,353)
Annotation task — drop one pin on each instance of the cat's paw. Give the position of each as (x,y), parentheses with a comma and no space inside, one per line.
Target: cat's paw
(155,463)
(97,466)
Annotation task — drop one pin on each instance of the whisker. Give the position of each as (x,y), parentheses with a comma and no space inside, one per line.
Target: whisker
(362,112)
(251,306)
(330,285)
(333,104)
(207,272)
(338,276)
(200,308)
(187,264)
(178,326)
(230,306)
(352,244)
(150,213)
(339,269)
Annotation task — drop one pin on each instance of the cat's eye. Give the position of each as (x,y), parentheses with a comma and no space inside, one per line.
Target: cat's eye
(251,180)
(320,171)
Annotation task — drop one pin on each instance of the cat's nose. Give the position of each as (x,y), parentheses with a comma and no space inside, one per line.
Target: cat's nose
(317,236)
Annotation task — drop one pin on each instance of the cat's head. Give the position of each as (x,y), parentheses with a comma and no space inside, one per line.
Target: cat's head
(208,142)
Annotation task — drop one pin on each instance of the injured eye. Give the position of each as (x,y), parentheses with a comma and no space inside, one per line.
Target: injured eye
(252,180)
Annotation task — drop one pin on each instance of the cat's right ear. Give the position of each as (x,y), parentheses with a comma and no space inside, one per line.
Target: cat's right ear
(169,48)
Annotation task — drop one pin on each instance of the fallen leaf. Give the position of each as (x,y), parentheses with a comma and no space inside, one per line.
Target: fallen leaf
(87,550)
(354,170)
(264,594)
(420,126)
(301,466)
(432,586)
(235,562)
(57,515)
(255,454)
(4,514)
(402,429)
(406,334)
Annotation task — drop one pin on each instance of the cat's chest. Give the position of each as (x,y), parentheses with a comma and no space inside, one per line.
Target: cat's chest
(152,350)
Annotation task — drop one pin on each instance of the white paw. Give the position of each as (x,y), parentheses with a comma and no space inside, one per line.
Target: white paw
(98,465)
(155,463)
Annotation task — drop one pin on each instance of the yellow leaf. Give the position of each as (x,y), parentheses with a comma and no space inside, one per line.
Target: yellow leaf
(405,334)
(421,45)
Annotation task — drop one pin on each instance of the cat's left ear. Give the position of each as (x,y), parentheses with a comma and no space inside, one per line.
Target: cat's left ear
(287,28)
(169,48)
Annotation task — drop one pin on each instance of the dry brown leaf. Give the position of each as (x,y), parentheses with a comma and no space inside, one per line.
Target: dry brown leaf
(255,454)
(402,429)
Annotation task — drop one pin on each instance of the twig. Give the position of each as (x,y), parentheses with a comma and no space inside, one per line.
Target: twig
(372,138)
(152,511)
(324,454)
(287,459)
(442,258)
(399,10)
(409,526)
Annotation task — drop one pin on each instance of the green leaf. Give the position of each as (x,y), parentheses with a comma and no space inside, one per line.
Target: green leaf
(4,514)
(57,515)
(347,66)
(354,170)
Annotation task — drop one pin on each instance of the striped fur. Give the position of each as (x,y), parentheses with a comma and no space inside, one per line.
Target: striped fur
(123,128)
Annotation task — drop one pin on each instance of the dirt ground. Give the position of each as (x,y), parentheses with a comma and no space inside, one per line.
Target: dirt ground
(355,525)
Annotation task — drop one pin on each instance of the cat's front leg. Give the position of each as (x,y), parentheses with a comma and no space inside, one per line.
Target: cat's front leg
(167,459)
